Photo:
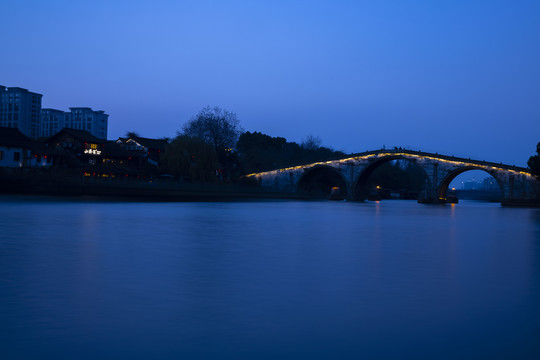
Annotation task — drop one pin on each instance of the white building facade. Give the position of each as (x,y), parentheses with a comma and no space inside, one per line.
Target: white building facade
(13,156)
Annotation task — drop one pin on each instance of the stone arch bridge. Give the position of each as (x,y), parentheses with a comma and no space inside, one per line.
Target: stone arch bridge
(349,176)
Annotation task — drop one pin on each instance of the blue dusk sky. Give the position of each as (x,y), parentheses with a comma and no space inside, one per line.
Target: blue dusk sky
(454,77)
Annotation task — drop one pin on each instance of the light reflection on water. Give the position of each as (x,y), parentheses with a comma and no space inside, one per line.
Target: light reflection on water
(286,279)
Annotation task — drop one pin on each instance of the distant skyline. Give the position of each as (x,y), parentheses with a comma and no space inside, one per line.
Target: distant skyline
(454,77)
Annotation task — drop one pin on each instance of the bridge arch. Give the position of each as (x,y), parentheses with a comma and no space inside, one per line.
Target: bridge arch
(352,172)
(445,183)
(360,187)
(322,181)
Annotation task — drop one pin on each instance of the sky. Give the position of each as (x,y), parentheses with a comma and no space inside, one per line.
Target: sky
(454,77)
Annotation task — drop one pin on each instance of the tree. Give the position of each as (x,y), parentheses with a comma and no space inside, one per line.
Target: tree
(132,134)
(191,159)
(534,162)
(260,152)
(312,142)
(215,126)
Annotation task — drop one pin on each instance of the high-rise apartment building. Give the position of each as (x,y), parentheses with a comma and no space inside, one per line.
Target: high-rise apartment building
(80,118)
(52,121)
(21,109)
(84,118)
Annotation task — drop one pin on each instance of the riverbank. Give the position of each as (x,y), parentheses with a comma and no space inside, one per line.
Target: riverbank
(66,184)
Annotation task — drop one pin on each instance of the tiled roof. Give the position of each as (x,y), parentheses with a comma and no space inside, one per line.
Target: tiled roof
(81,135)
(156,144)
(13,137)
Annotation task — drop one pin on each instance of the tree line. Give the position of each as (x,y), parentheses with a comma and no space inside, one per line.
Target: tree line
(212,146)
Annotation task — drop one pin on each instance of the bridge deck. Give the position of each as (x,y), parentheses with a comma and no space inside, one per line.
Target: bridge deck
(407,153)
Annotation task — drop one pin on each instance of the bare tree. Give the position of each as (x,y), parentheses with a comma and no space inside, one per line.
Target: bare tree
(312,142)
(215,126)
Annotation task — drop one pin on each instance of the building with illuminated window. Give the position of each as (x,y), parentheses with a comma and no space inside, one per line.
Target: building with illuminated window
(151,149)
(20,109)
(94,156)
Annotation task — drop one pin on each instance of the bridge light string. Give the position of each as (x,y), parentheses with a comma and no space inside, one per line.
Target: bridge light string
(377,155)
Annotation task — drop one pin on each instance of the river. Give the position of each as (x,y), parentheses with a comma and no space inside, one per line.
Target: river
(88,279)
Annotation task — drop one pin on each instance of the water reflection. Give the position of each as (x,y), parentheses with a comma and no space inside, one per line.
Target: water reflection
(286,279)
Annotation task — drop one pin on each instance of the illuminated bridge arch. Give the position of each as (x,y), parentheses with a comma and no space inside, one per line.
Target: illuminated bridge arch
(322,181)
(445,183)
(517,184)
(360,190)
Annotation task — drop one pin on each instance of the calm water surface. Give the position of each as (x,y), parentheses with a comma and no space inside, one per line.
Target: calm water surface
(268,280)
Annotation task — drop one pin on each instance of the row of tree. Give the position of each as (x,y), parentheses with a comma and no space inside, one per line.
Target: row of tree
(213,146)
(260,152)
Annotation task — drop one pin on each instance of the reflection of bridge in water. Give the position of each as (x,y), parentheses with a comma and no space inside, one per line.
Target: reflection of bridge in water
(351,176)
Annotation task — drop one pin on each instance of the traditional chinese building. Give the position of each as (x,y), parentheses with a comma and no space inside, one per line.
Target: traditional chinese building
(150,149)
(94,156)
(19,151)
